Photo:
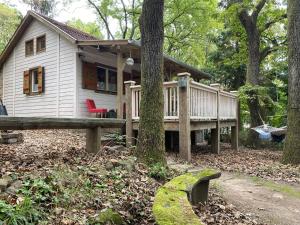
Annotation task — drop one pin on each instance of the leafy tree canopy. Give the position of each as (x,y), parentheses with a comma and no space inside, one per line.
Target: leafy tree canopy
(9,21)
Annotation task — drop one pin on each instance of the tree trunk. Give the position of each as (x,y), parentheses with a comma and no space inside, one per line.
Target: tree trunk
(253,71)
(292,144)
(151,138)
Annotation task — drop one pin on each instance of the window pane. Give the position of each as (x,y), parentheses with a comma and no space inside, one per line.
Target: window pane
(29,47)
(101,78)
(41,43)
(112,80)
(34,80)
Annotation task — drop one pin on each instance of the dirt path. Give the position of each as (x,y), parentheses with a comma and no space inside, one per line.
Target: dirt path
(269,206)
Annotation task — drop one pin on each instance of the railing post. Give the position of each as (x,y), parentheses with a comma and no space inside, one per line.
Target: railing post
(129,128)
(235,129)
(215,133)
(184,116)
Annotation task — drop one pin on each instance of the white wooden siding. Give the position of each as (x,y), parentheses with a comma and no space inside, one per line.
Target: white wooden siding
(101,100)
(1,83)
(58,98)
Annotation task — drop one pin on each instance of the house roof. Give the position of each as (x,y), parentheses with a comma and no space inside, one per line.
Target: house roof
(84,39)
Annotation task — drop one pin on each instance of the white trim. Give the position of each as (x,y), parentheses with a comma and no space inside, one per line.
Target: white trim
(14,82)
(58,74)
(75,84)
(3,79)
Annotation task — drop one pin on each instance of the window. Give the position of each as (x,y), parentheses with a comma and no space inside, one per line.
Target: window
(34,81)
(99,78)
(29,48)
(112,80)
(41,44)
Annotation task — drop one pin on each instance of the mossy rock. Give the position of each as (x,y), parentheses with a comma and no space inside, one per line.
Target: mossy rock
(171,205)
(186,181)
(108,216)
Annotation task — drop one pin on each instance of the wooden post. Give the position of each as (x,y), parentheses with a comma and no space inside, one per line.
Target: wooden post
(184,116)
(215,133)
(129,130)
(120,68)
(93,140)
(235,129)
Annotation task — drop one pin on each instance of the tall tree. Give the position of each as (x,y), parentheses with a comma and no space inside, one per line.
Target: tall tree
(44,7)
(151,139)
(292,144)
(90,27)
(259,20)
(9,20)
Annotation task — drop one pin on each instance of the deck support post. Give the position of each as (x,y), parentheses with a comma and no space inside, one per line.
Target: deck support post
(235,129)
(235,137)
(184,117)
(129,128)
(93,140)
(215,133)
(120,68)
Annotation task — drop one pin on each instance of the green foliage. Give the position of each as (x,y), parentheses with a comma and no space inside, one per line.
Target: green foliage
(24,213)
(9,20)
(117,138)
(91,28)
(158,171)
(41,190)
(45,7)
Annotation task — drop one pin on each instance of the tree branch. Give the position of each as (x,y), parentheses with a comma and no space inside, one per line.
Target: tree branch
(258,8)
(125,18)
(109,34)
(271,23)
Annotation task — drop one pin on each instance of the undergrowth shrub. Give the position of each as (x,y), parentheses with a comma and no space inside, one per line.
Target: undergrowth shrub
(25,213)
(158,171)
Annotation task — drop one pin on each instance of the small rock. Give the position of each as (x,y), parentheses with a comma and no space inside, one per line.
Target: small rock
(237,215)
(109,216)
(109,166)
(58,211)
(5,181)
(115,162)
(14,187)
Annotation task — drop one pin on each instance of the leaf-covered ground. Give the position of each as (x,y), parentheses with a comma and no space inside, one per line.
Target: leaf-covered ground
(54,181)
(260,163)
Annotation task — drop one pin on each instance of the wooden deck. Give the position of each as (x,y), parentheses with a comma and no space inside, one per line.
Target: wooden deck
(188,106)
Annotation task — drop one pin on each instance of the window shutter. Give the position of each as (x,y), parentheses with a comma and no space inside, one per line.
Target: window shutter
(26,83)
(89,76)
(40,80)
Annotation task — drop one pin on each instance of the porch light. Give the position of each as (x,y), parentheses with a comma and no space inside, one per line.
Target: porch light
(182,82)
(130,61)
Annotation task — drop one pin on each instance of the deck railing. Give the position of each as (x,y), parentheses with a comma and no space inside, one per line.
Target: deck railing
(203,102)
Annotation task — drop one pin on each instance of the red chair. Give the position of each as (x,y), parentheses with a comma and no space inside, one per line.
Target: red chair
(100,112)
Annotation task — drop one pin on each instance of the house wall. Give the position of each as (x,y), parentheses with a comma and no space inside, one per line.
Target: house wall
(59,64)
(1,82)
(102,100)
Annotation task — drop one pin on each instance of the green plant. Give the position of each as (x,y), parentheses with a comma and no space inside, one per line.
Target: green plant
(158,171)
(117,138)
(41,190)
(24,213)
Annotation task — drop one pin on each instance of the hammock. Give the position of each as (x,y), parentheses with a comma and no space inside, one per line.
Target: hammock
(267,132)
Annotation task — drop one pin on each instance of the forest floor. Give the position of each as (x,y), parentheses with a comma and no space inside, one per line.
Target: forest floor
(54,181)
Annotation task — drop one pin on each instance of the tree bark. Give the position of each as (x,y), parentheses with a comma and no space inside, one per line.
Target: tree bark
(151,139)
(249,23)
(291,152)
